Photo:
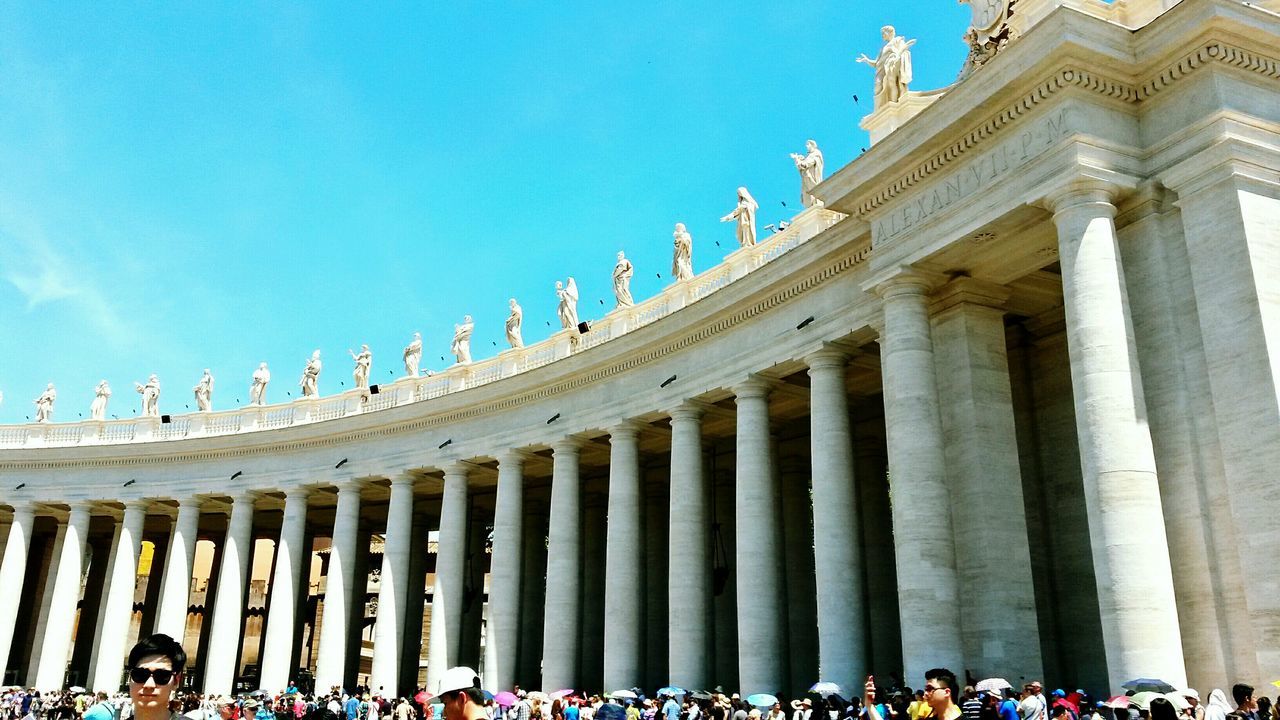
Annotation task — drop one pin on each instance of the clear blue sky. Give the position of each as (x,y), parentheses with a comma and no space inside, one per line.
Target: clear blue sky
(189,185)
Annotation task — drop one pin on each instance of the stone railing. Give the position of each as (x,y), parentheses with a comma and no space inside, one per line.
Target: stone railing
(407,390)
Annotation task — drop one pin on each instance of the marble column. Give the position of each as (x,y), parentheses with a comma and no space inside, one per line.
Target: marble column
(66,594)
(222,663)
(761,630)
(502,630)
(837,551)
(594,528)
(171,619)
(13,573)
(562,623)
(689,559)
(451,562)
(388,629)
(278,662)
(928,598)
(339,587)
(116,613)
(44,589)
(624,562)
(999,630)
(533,587)
(1126,525)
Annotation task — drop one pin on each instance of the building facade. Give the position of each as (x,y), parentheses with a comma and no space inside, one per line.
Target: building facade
(1005,402)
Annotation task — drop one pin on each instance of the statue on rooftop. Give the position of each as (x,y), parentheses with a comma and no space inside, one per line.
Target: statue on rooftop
(364,363)
(258,390)
(413,356)
(893,67)
(682,259)
(461,347)
(622,273)
(745,214)
(98,410)
(150,393)
(311,376)
(514,321)
(567,293)
(810,167)
(44,404)
(204,392)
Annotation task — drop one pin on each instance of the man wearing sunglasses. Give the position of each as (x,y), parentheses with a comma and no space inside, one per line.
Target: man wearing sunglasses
(939,692)
(155,671)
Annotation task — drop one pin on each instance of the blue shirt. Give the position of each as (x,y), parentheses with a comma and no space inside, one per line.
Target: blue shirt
(671,710)
(353,707)
(1009,710)
(571,713)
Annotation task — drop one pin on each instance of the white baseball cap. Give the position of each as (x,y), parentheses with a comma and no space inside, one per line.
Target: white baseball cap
(458,678)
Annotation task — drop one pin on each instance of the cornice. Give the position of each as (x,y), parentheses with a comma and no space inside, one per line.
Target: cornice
(650,353)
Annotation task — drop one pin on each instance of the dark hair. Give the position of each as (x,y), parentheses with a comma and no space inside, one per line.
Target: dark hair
(476,695)
(944,675)
(159,644)
(1062,710)
(1162,709)
(1241,692)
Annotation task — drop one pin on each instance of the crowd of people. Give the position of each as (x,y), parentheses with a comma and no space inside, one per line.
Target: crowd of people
(157,662)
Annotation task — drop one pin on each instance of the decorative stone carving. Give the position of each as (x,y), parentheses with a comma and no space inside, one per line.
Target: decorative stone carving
(44,404)
(364,363)
(682,260)
(98,410)
(988,33)
(622,273)
(413,356)
(987,17)
(745,214)
(810,167)
(514,321)
(892,65)
(150,393)
(461,347)
(311,376)
(204,392)
(567,293)
(258,390)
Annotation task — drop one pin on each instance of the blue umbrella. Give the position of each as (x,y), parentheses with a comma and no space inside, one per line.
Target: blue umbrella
(762,700)
(671,690)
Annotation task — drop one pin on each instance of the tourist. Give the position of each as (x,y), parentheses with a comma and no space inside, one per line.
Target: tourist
(1033,706)
(940,683)
(971,704)
(155,671)
(1246,706)
(918,708)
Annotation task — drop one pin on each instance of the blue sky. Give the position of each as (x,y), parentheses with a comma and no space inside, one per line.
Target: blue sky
(188,185)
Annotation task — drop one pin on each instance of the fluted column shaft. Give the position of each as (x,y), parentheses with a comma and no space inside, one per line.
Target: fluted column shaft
(928,597)
(118,607)
(502,641)
(562,623)
(223,657)
(758,550)
(171,618)
(842,637)
(624,563)
(451,560)
(388,629)
(62,608)
(13,572)
(277,656)
(689,554)
(1126,524)
(339,590)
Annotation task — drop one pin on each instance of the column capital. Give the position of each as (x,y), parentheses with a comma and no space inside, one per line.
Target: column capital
(754,387)
(515,457)
(688,411)
(625,430)
(137,504)
(298,492)
(24,506)
(402,479)
(1096,196)
(349,484)
(569,444)
(904,280)
(970,291)
(829,357)
(456,468)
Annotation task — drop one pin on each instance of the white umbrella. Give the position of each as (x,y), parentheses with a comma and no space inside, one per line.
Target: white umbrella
(76,689)
(825,688)
(992,685)
(625,694)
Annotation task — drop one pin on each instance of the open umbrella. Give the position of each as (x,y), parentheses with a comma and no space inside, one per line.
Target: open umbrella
(700,695)
(671,690)
(487,695)
(1154,685)
(611,711)
(1142,700)
(506,699)
(76,689)
(992,685)
(622,695)
(536,695)
(565,692)
(422,697)
(1117,702)
(762,700)
(825,688)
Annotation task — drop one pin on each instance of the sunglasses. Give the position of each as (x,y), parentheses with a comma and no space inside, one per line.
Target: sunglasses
(141,675)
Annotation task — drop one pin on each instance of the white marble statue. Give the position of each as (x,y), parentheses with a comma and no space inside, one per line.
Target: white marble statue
(258,390)
(745,214)
(102,393)
(514,321)
(622,273)
(364,364)
(311,376)
(150,393)
(893,67)
(567,293)
(810,167)
(204,392)
(682,260)
(413,356)
(461,346)
(44,404)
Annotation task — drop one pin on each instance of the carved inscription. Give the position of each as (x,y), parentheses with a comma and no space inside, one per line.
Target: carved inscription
(973,178)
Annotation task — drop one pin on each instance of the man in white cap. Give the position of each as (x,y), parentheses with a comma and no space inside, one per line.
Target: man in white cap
(460,692)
